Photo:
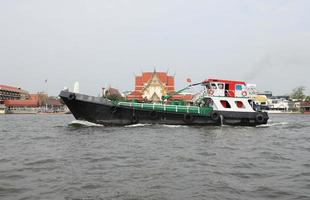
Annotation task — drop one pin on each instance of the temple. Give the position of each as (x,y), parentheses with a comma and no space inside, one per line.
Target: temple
(152,86)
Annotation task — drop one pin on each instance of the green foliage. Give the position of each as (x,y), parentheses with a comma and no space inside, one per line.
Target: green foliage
(307,98)
(298,93)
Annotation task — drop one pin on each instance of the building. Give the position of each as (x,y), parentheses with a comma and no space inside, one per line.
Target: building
(28,105)
(53,105)
(16,100)
(152,86)
(11,93)
(280,104)
(305,107)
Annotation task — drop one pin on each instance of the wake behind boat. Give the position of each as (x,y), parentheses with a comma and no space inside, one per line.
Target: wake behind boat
(221,102)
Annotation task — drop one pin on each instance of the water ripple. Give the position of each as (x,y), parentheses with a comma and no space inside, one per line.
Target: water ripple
(57,157)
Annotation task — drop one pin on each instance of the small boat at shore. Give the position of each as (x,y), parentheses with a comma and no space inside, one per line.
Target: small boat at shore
(222,102)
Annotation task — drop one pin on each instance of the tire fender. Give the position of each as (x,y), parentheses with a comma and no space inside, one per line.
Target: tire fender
(188,118)
(215,116)
(71,96)
(153,114)
(259,118)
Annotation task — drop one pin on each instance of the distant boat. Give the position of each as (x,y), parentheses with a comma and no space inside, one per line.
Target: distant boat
(221,102)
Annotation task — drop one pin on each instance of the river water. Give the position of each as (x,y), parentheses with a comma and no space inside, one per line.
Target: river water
(55,157)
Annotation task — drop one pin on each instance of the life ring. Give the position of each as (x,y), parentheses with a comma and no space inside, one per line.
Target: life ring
(210,92)
(188,118)
(244,93)
(71,96)
(134,119)
(215,116)
(153,114)
(259,118)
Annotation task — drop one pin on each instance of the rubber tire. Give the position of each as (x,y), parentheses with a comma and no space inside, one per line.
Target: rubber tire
(71,96)
(153,115)
(188,118)
(215,116)
(259,118)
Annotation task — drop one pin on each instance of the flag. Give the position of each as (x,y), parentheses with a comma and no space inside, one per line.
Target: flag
(188,80)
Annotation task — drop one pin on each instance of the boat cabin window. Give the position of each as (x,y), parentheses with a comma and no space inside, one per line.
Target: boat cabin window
(213,86)
(221,86)
(225,104)
(238,87)
(226,89)
(239,104)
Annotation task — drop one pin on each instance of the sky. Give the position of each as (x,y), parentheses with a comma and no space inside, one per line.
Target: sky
(104,43)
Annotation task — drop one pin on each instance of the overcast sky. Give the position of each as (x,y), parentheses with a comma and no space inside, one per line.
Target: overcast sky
(108,42)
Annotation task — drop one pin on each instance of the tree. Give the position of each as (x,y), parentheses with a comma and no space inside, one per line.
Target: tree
(42,99)
(115,97)
(298,93)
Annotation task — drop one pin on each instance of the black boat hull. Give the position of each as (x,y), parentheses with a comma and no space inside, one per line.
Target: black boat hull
(102,111)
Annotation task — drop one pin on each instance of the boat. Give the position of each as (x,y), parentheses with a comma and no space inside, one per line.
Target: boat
(221,102)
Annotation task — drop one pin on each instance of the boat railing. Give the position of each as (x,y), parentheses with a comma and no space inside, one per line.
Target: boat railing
(168,108)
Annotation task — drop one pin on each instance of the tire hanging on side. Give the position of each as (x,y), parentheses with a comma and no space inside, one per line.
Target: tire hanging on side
(259,118)
(215,116)
(188,118)
(71,96)
(153,115)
